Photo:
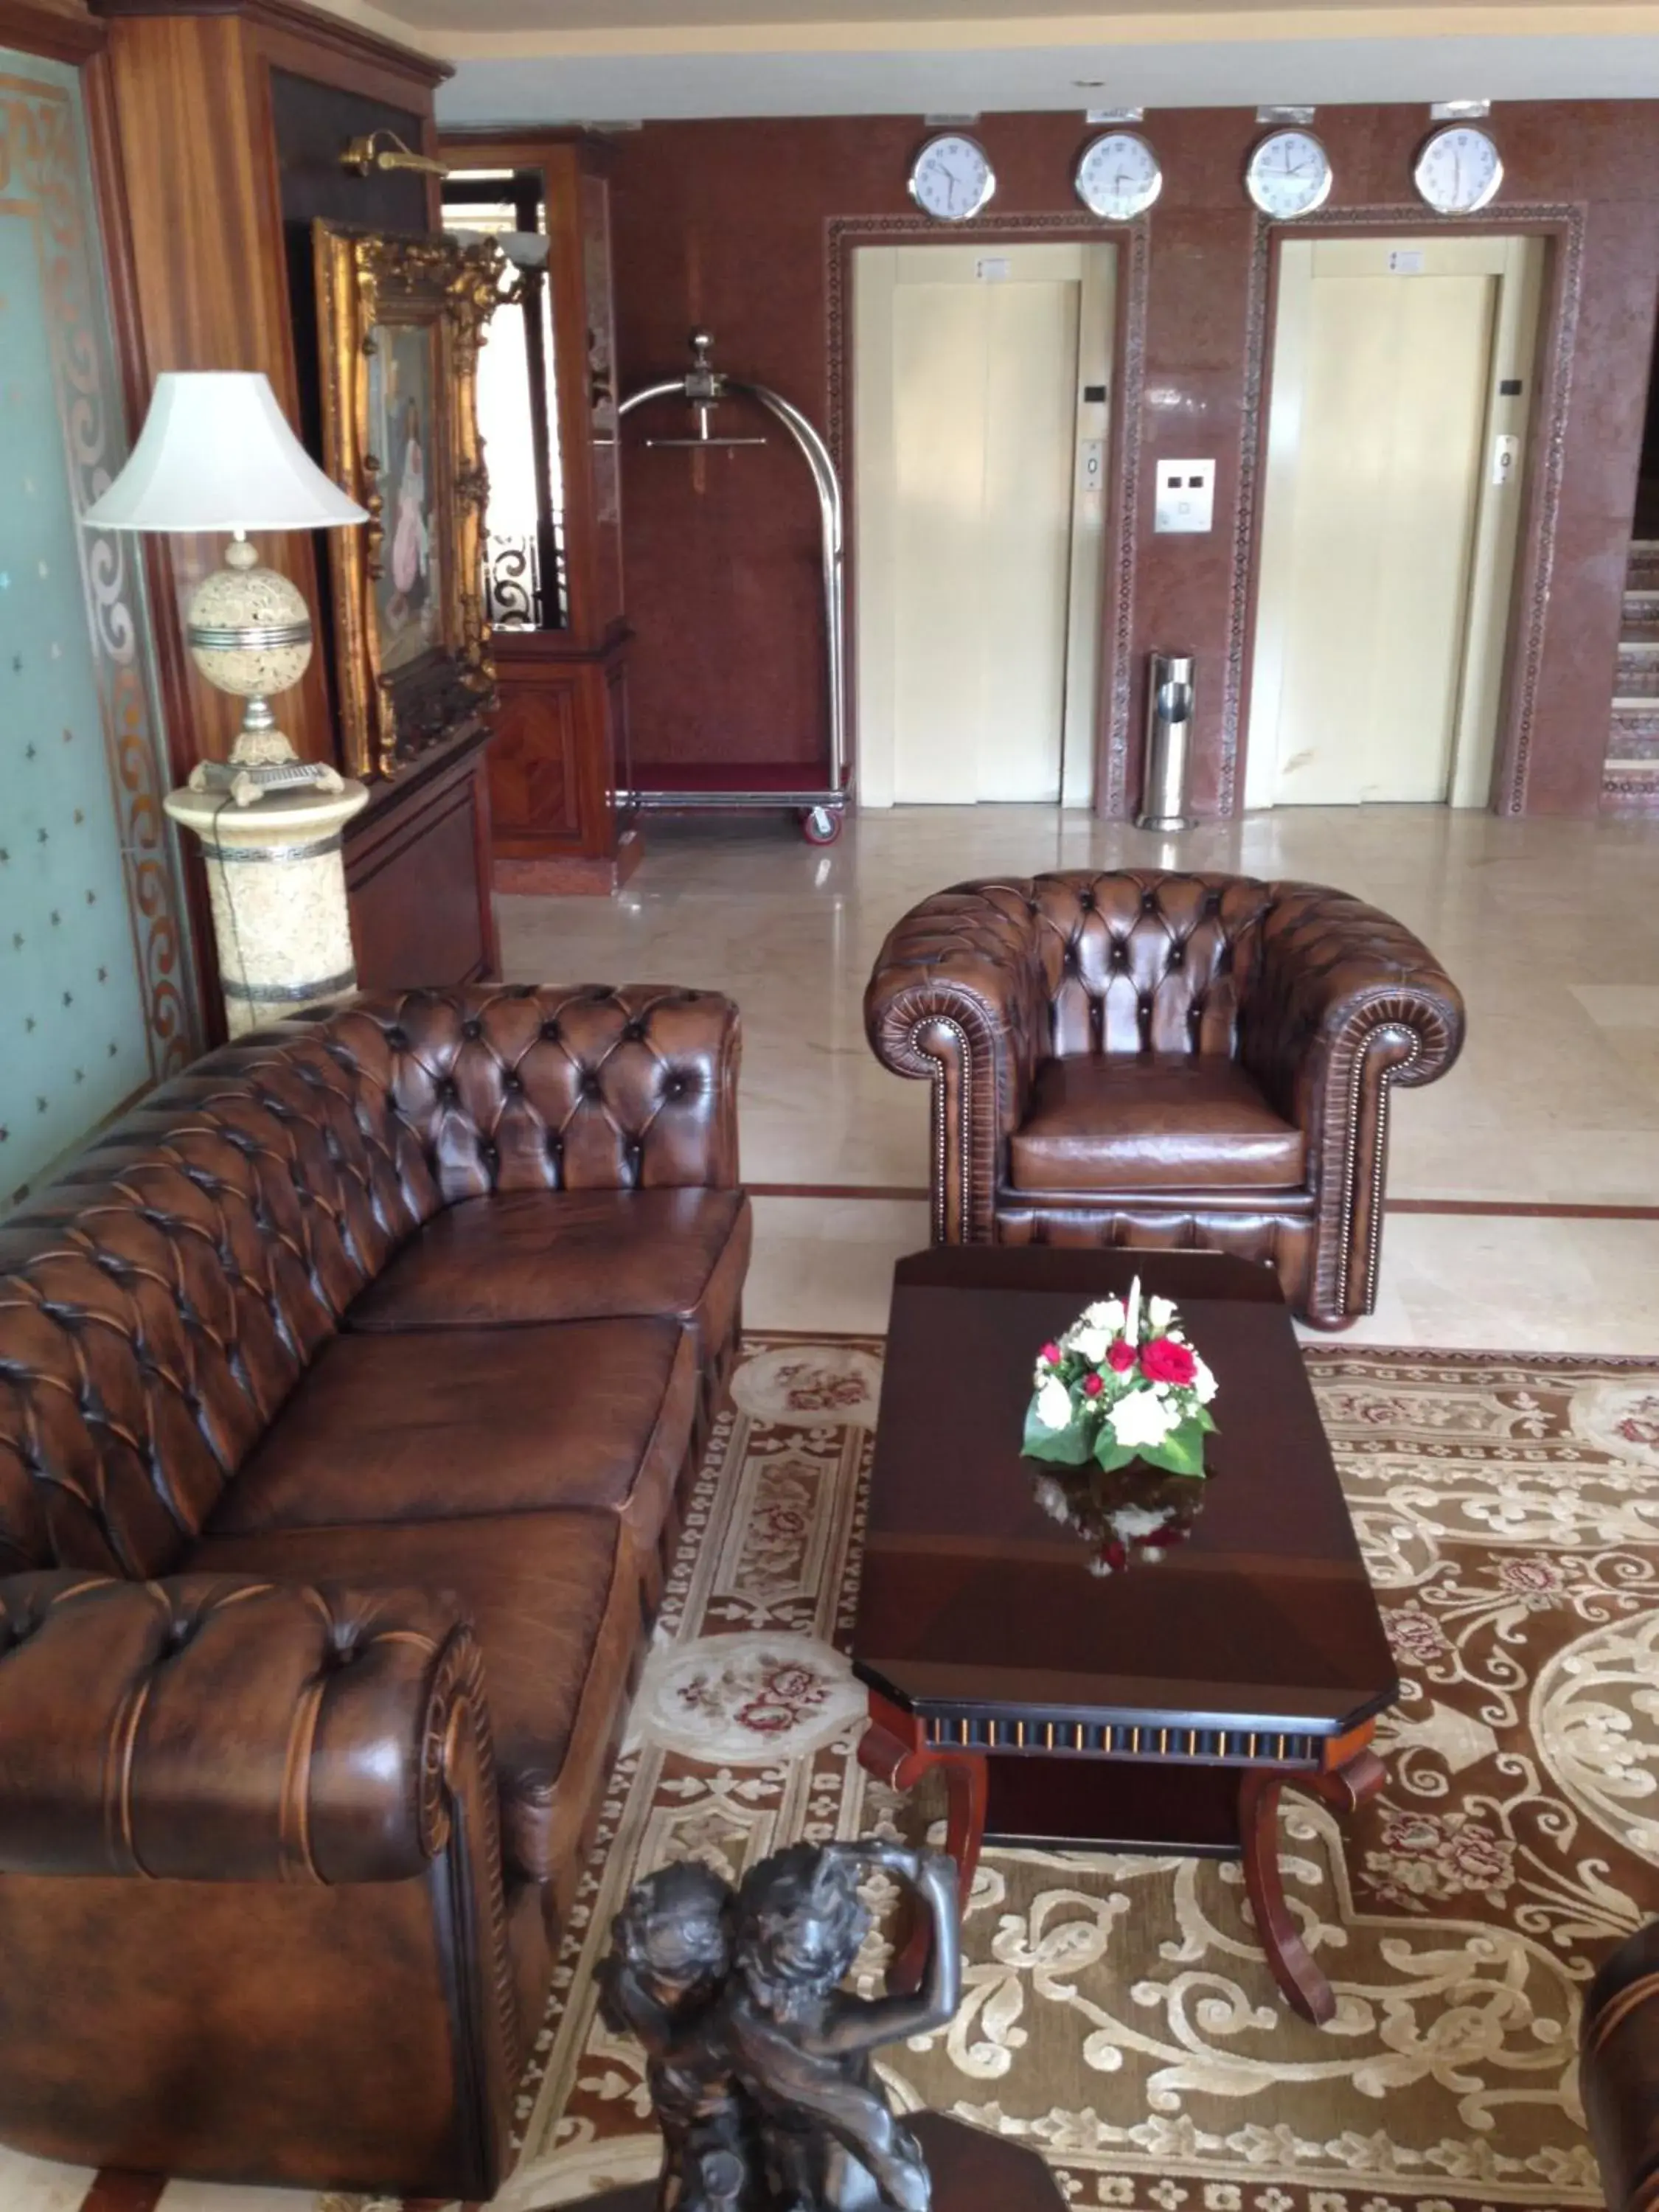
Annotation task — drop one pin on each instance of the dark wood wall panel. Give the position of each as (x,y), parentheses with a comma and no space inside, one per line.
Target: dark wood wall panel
(730,224)
(414,869)
(218,129)
(534,762)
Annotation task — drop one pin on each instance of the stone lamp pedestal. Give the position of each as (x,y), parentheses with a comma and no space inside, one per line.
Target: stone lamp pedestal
(277,882)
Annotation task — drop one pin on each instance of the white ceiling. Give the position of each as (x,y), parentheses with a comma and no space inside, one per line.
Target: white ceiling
(619,61)
(969,80)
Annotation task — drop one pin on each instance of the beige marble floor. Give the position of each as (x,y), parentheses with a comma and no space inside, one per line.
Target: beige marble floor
(1551,929)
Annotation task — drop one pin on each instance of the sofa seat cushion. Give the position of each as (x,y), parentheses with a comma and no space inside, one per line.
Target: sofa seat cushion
(537,1256)
(555,1600)
(438,1425)
(1157,1121)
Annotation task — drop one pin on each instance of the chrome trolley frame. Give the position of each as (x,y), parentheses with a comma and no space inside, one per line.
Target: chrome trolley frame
(821,809)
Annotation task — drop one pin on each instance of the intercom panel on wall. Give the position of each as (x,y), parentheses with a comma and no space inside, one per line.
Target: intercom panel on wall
(1186,496)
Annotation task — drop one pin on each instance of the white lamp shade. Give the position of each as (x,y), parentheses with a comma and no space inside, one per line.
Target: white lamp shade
(216,454)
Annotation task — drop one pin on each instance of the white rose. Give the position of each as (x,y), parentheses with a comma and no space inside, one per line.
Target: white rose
(1161,1312)
(1203,1383)
(1054,1403)
(1139,1418)
(1091,1344)
(1105,1313)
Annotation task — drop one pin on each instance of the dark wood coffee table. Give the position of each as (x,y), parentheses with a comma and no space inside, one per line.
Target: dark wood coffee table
(1162,1709)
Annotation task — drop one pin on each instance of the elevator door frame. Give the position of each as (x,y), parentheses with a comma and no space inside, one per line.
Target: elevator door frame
(1492,629)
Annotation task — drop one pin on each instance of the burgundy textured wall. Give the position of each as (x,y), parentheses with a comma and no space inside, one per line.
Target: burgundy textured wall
(732,224)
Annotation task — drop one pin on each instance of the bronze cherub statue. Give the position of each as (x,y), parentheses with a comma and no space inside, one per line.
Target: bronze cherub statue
(757,2060)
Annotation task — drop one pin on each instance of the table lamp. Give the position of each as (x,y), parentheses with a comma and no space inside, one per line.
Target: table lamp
(217,454)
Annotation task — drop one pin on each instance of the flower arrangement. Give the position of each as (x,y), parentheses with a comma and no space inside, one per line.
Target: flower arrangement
(1121,1384)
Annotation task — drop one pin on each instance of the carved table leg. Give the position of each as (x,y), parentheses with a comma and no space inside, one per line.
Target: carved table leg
(1345,1787)
(893,1751)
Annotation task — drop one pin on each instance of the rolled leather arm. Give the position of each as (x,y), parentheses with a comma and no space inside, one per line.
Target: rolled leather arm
(214,1728)
(1621,2072)
(1338,1003)
(957,994)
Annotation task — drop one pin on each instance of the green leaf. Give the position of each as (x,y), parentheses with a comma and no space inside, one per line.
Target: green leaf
(1202,1416)
(1109,1454)
(1066,1447)
(1181,1451)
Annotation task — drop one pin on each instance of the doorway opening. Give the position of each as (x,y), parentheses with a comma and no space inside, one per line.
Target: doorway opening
(1402,382)
(981,382)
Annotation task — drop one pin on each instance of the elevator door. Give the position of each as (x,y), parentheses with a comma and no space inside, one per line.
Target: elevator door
(981,378)
(1388,523)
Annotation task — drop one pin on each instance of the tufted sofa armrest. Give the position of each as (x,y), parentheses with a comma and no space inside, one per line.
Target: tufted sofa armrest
(1338,1002)
(1620,2067)
(957,994)
(218,1728)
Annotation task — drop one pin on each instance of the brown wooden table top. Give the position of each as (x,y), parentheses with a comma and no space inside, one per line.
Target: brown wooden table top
(973,1598)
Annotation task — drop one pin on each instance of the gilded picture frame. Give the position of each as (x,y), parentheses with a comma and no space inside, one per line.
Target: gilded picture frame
(400,320)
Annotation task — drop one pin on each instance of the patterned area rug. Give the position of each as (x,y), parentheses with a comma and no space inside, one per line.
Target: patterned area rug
(1117,2013)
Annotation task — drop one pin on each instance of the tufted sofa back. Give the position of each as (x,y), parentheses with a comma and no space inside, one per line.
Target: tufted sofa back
(521,1089)
(158,1302)
(1134,960)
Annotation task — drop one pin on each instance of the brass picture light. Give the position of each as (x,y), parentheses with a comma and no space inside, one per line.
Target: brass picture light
(366,153)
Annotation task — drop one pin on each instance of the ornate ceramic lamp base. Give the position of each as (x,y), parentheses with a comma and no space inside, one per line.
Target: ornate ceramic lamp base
(277,883)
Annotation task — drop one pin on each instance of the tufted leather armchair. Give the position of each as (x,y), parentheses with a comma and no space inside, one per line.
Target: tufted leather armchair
(1620,2072)
(348,1394)
(1146,1058)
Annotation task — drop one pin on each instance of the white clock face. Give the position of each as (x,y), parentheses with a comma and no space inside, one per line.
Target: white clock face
(1289,175)
(1119,177)
(1459,170)
(952,179)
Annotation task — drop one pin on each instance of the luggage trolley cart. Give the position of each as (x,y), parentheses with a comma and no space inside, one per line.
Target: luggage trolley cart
(821,809)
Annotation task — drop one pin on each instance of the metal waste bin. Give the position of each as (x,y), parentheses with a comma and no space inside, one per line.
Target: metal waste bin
(1168,743)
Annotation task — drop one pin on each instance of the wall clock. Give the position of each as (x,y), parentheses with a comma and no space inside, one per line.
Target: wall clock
(950,178)
(1289,175)
(1458,170)
(1118,177)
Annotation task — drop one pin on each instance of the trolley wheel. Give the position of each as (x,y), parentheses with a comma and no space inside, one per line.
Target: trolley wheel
(821,826)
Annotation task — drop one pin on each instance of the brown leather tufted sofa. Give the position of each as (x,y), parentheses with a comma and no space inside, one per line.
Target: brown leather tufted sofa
(349,1393)
(1140,1057)
(1621,2070)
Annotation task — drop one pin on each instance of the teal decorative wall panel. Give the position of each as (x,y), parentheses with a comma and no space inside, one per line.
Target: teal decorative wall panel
(94,1003)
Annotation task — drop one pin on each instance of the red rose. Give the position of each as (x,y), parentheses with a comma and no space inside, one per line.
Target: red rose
(1165,1361)
(1051,1353)
(1092,1386)
(1120,1356)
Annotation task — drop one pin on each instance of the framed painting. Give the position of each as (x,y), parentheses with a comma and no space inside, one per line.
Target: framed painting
(400,320)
